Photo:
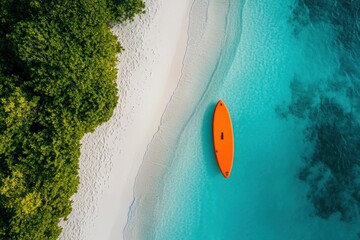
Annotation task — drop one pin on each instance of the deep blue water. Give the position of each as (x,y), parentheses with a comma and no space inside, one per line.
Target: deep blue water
(290,78)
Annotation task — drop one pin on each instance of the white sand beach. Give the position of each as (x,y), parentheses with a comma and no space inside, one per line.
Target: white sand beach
(149,71)
(206,41)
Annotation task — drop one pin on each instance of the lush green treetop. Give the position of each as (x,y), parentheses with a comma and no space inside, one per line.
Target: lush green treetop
(57,82)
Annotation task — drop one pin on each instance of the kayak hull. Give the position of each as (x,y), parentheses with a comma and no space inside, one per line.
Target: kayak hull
(223,138)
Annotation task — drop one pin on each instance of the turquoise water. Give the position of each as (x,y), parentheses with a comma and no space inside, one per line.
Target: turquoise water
(290,79)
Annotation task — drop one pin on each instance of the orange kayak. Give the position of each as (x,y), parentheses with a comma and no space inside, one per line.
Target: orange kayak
(223,138)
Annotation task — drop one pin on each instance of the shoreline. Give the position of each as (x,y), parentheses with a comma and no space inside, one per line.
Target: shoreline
(148,72)
(207,27)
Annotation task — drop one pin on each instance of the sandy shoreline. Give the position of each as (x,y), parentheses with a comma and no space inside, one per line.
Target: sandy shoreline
(149,71)
(207,26)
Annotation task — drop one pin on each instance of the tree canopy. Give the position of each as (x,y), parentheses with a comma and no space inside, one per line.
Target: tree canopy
(57,82)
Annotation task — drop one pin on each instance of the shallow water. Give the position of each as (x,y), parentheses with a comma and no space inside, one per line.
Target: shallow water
(289,76)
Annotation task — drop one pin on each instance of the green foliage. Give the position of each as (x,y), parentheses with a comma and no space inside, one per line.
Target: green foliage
(57,82)
(126,9)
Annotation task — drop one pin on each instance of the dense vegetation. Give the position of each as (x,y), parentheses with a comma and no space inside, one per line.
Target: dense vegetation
(57,82)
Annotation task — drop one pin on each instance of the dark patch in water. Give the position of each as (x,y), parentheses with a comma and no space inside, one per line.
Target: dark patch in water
(331,111)
(207,142)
